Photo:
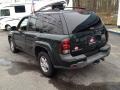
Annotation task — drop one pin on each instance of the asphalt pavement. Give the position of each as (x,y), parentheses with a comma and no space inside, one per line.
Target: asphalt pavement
(20,71)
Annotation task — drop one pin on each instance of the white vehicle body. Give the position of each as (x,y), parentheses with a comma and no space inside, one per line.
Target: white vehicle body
(8,22)
(11,14)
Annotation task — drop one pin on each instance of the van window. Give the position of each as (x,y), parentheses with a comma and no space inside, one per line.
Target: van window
(4,12)
(19,9)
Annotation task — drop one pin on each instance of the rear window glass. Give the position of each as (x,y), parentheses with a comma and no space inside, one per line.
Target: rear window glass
(73,19)
(5,12)
(19,9)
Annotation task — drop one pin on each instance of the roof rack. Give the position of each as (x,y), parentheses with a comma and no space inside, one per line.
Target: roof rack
(54,6)
(59,6)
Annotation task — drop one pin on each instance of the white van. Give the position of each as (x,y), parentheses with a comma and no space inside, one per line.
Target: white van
(11,14)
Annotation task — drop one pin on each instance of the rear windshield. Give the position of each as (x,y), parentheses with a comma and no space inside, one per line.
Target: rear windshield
(4,12)
(73,19)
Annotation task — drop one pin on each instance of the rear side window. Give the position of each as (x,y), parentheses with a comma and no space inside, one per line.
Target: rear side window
(52,24)
(32,24)
(19,9)
(39,24)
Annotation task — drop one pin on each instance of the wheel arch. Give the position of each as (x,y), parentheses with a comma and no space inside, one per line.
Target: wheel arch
(39,47)
(7,25)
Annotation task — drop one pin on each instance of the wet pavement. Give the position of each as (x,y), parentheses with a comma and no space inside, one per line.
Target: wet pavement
(4,62)
(20,67)
(21,72)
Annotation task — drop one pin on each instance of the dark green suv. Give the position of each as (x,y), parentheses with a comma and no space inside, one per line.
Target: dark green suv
(61,39)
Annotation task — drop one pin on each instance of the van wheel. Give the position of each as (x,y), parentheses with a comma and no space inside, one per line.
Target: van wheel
(7,27)
(12,46)
(45,64)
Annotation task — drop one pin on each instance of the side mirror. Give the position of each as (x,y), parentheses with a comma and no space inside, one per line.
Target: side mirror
(14,28)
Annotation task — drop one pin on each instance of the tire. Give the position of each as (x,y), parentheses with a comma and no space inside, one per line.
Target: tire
(12,46)
(45,64)
(7,27)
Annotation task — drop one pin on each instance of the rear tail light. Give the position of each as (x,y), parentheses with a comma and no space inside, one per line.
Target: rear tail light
(65,46)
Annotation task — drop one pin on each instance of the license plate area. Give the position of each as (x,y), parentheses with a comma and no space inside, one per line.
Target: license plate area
(91,40)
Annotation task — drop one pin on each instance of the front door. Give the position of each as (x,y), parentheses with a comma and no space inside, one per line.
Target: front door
(19,35)
(31,34)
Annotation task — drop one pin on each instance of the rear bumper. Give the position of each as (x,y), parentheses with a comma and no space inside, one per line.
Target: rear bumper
(2,27)
(82,60)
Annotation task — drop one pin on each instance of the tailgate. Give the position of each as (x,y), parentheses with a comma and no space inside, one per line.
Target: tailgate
(88,42)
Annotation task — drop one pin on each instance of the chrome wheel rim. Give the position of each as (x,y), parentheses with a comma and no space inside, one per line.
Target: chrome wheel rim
(44,64)
(8,28)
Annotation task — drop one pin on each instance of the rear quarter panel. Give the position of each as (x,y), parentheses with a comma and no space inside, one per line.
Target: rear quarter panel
(51,42)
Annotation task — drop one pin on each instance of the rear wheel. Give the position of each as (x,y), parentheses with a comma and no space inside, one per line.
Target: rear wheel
(12,46)
(45,64)
(7,27)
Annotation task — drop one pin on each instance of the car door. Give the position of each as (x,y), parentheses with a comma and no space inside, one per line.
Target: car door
(31,34)
(19,35)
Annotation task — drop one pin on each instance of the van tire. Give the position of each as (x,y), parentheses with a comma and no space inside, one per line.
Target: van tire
(7,27)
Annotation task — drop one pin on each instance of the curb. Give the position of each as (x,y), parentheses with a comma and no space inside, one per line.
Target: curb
(113,31)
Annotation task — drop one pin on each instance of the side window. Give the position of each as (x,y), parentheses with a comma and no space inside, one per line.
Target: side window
(52,24)
(32,24)
(4,12)
(19,9)
(23,25)
(39,24)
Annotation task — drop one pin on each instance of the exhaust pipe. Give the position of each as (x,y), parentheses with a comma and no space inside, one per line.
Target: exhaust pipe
(96,62)
(102,59)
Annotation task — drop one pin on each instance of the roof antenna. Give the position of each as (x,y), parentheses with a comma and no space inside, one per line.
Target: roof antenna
(33,7)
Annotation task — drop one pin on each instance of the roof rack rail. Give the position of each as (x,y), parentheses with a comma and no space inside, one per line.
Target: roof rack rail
(57,5)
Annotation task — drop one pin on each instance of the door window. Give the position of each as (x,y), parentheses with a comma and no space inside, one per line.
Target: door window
(23,25)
